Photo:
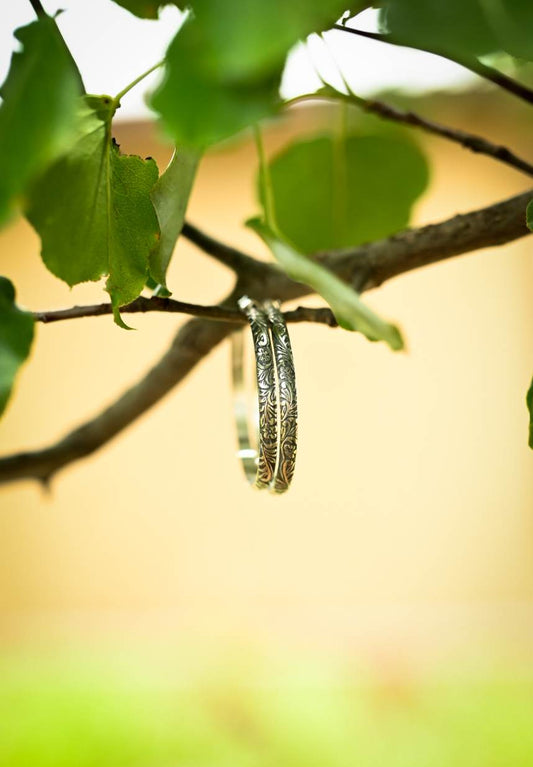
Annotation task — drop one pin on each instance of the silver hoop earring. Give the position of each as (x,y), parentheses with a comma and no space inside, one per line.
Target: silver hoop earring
(259,462)
(271,463)
(287,399)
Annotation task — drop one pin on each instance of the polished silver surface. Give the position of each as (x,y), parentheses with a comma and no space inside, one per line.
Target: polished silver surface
(259,463)
(270,464)
(287,399)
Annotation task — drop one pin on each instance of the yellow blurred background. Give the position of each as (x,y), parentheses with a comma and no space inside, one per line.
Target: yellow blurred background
(407,537)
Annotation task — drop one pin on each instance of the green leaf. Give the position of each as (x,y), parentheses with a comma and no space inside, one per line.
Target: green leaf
(529,215)
(454,25)
(334,192)
(170,196)
(156,288)
(513,23)
(40,97)
(16,336)
(199,106)
(462,27)
(145,9)
(529,401)
(224,66)
(351,313)
(93,210)
(249,39)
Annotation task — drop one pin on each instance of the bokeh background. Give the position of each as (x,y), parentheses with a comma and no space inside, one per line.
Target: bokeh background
(156,611)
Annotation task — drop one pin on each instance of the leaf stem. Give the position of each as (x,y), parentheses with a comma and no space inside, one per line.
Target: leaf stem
(265,181)
(340,185)
(137,81)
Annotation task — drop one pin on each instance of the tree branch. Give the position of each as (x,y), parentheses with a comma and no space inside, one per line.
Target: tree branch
(320,315)
(193,342)
(467,140)
(368,265)
(496,224)
(474,65)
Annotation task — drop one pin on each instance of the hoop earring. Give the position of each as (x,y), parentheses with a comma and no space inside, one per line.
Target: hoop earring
(271,464)
(287,399)
(259,462)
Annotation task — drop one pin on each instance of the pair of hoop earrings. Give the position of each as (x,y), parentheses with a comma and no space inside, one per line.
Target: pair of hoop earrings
(269,464)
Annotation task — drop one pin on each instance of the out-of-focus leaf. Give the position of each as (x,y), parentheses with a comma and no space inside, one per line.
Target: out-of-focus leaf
(330,192)
(529,215)
(462,27)
(248,39)
(16,336)
(454,25)
(512,20)
(529,401)
(93,210)
(198,105)
(145,9)
(224,66)
(198,112)
(40,97)
(170,197)
(351,313)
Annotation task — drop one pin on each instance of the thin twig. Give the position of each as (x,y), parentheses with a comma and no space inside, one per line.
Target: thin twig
(470,141)
(142,304)
(496,77)
(474,65)
(363,33)
(368,266)
(320,315)
(38,8)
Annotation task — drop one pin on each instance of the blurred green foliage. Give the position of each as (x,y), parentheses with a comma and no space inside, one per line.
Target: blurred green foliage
(338,191)
(145,9)
(132,713)
(16,336)
(223,68)
(463,27)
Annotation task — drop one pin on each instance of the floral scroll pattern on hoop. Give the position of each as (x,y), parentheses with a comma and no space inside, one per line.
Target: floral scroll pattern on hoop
(287,399)
(271,463)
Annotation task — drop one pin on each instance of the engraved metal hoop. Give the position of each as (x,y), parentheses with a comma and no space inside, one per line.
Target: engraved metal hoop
(270,464)
(287,399)
(259,463)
